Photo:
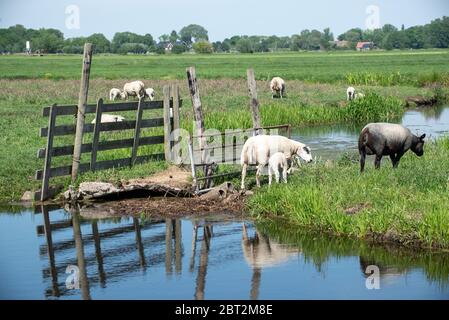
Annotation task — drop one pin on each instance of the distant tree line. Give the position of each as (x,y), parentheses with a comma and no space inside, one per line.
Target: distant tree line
(195,37)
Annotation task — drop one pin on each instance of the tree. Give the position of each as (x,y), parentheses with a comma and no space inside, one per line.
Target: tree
(101,43)
(193,33)
(173,36)
(179,48)
(244,45)
(203,47)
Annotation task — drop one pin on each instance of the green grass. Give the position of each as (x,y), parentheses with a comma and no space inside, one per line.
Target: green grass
(24,90)
(368,68)
(409,205)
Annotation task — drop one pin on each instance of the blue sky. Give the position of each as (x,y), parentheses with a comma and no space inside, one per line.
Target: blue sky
(221,18)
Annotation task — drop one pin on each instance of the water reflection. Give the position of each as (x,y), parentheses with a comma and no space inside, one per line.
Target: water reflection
(121,250)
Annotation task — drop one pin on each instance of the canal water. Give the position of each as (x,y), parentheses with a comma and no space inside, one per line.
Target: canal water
(330,141)
(48,253)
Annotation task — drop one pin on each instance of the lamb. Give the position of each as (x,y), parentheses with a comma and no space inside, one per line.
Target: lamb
(350,92)
(359,95)
(149,92)
(115,93)
(257,151)
(277,162)
(382,139)
(110,118)
(135,89)
(277,86)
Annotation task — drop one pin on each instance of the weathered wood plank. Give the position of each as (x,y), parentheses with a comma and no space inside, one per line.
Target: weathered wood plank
(84,167)
(47,163)
(63,130)
(96,137)
(176,119)
(137,132)
(167,124)
(103,146)
(254,102)
(110,107)
(82,102)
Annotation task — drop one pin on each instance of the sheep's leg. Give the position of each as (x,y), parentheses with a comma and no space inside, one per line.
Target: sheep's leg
(377,161)
(284,174)
(242,186)
(362,158)
(276,175)
(270,175)
(397,158)
(258,174)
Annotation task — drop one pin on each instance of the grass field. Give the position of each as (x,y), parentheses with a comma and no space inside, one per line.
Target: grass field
(408,205)
(389,68)
(316,84)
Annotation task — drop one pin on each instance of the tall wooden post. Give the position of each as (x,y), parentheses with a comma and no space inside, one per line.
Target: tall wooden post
(48,154)
(167,123)
(254,102)
(197,111)
(82,102)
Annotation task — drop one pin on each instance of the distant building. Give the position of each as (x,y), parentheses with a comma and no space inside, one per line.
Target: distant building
(341,44)
(168,45)
(364,46)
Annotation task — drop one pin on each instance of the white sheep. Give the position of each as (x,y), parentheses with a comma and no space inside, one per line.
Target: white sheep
(134,89)
(277,86)
(149,92)
(115,93)
(277,162)
(110,118)
(350,92)
(257,150)
(359,95)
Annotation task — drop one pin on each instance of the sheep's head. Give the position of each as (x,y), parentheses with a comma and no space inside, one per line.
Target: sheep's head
(304,153)
(150,93)
(123,95)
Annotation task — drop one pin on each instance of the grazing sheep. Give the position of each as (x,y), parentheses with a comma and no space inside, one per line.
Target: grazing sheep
(115,93)
(257,151)
(359,96)
(382,139)
(149,92)
(277,86)
(110,118)
(350,92)
(134,89)
(277,162)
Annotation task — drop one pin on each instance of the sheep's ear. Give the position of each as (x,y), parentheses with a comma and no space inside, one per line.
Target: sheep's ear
(422,137)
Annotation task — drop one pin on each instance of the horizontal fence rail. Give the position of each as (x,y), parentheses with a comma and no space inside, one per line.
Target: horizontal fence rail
(170,106)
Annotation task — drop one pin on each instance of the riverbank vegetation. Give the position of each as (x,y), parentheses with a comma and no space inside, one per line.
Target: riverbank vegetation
(409,205)
(318,98)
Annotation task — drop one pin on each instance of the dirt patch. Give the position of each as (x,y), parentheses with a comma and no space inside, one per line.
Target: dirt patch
(357,208)
(174,176)
(165,207)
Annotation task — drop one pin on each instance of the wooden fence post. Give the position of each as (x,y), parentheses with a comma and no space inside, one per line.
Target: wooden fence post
(167,123)
(82,102)
(197,111)
(176,121)
(199,122)
(96,137)
(254,101)
(137,132)
(48,154)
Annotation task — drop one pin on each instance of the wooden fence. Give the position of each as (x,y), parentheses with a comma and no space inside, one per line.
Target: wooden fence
(170,104)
